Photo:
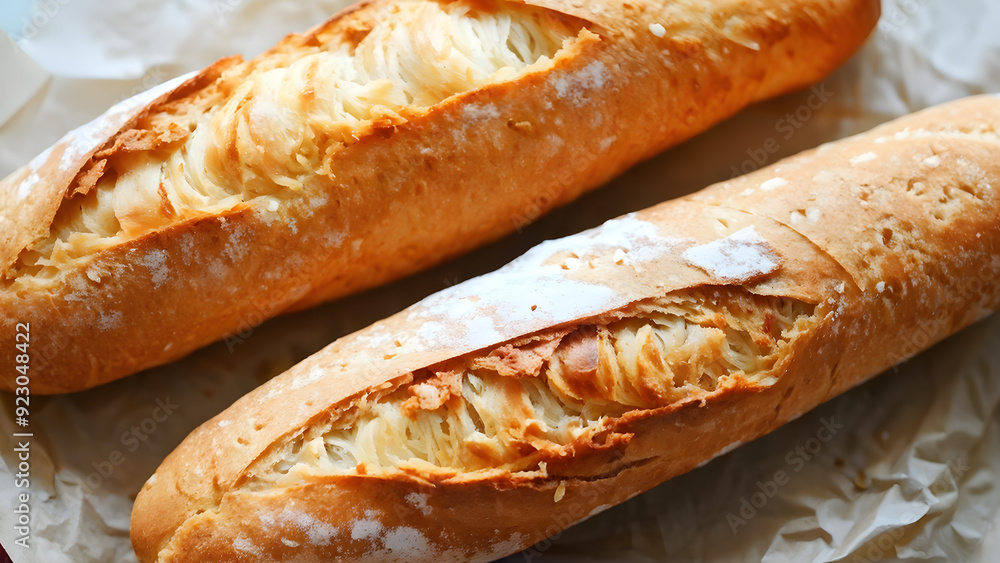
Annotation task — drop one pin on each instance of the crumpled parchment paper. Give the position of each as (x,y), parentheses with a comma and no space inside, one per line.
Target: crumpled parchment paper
(902,468)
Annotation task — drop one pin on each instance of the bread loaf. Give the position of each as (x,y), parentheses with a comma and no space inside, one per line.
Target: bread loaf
(393,136)
(491,415)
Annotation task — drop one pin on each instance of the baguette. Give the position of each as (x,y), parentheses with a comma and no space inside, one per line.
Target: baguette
(491,415)
(360,152)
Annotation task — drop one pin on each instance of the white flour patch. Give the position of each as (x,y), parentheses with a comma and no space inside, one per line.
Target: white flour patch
(419,502)
(320,533)
(409,542)
(26,185)
(500,548)
(474,112)
(530,291)
(242,543)
(740,256)
(156,262)
(366,529)
(317,531)
(109,320)
(315,374)
(237,247)
(576,85)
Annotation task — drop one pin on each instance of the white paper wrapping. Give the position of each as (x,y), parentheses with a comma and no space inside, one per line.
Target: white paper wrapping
(902,468)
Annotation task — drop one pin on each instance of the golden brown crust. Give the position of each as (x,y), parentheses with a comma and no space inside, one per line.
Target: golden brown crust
(930,177)
(560,131)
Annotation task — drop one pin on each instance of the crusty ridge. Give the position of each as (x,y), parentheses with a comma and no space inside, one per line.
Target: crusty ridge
(390,205)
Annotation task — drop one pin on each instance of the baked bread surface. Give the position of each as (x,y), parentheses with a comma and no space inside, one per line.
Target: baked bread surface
(496,413)
(390,138)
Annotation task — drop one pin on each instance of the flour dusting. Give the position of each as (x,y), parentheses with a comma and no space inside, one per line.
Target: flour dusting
(741,256)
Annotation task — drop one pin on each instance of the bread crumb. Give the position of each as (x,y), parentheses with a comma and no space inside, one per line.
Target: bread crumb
(868,156)
(861,481)
(840,287)
(773,183)
(657,30)
(620,256)
(813,214)
(932,161)
(560,491)
(880,286)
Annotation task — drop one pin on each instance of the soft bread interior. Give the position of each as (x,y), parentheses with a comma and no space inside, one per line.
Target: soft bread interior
(524,403)
(276,122)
